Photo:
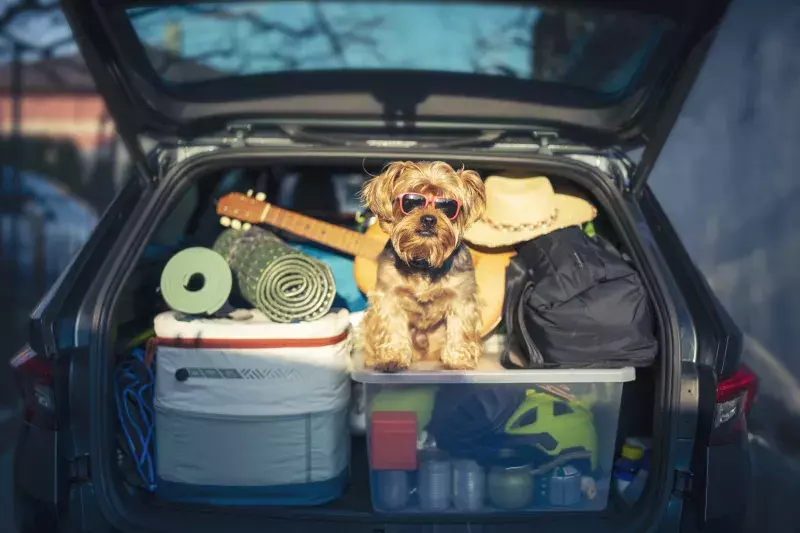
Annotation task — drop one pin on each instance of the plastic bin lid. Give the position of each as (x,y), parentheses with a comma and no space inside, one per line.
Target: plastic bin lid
(491,373)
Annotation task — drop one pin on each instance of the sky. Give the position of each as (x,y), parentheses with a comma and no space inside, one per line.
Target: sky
(424,36)
(463,37)
(37,29)
(421,35)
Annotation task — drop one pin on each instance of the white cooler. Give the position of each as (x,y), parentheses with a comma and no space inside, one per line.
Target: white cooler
(250,412)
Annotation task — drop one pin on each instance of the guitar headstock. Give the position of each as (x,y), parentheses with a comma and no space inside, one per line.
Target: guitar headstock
(240,211)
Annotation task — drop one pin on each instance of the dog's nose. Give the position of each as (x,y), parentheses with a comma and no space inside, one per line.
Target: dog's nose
(428,220)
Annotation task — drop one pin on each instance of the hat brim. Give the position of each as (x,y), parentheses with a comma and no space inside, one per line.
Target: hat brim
(572,211)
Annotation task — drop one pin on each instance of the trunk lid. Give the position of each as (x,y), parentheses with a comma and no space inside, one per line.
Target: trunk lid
(597,72)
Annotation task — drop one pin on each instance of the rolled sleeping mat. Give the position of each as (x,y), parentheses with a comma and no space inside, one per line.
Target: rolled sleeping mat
(279,280)
(196,281)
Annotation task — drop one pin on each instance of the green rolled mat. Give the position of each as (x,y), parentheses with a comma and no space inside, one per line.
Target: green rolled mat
(196,281)
(282,282)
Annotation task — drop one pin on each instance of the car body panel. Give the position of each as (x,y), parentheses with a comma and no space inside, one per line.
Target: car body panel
(84,349)
(141,226)
(68,325)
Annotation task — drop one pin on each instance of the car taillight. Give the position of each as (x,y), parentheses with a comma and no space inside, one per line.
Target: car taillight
(28,362)
(36,378)
(734,397)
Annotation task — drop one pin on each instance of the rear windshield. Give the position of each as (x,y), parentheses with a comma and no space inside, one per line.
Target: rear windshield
(596,50)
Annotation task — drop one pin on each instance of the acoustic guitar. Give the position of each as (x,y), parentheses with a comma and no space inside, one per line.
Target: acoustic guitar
(240,211)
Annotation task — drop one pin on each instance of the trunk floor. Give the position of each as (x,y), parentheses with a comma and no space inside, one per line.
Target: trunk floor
(355,501)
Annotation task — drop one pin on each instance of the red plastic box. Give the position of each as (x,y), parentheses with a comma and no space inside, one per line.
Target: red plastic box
(393,440)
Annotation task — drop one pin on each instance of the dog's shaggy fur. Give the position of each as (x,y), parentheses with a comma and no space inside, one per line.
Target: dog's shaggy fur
(424,305)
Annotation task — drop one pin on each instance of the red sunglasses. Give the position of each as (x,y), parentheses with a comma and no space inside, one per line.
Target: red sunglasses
(410,201)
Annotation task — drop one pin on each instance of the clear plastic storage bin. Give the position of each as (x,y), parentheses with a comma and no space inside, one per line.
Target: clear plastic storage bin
(492,442)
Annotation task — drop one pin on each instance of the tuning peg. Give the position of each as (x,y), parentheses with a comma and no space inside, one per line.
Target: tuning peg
(250,192)
(246,226)
(261,197)
(236,224)
(225,221)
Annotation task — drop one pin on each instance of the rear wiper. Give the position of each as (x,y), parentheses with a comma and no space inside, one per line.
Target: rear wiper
(486,138)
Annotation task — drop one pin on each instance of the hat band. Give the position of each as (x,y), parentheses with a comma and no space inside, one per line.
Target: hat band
(524,226)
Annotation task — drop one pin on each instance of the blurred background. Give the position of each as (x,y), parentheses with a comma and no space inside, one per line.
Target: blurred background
(60,161)
(733,200)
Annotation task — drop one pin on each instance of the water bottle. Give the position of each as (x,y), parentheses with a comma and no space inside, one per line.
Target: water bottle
(435,483)
(391,489)
(469,485)
(565,486)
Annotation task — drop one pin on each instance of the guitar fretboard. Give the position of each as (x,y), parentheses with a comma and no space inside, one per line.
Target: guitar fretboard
(339,238)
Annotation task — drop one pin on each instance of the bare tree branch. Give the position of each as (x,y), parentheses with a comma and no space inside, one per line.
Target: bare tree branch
(340,35)
(23,6)
(494,49)
(46,17)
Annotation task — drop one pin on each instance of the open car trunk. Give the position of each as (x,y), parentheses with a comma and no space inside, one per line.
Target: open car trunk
(323,184)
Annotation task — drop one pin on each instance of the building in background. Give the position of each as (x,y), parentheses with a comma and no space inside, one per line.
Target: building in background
(64,130)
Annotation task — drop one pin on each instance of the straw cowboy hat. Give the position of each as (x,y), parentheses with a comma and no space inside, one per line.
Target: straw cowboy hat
(520,209)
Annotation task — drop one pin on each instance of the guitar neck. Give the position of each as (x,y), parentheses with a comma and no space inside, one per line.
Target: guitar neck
(339,238)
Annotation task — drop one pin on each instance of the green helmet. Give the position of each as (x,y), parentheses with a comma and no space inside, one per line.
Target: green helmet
(569,423)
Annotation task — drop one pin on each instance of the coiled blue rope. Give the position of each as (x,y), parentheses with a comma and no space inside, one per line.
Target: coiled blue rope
(133,390)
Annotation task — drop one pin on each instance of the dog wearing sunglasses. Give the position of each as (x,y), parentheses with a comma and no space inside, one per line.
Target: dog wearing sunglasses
(424,306)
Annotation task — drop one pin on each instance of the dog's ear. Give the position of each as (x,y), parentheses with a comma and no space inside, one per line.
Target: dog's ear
(378,193)
(474,195)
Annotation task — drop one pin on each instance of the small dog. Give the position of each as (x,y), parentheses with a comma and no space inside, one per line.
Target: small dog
(424,305)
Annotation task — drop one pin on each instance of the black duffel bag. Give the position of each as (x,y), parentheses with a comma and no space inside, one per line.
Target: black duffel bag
(572,301)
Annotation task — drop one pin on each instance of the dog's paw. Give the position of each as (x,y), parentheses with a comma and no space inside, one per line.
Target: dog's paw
(391,359)
(462,356)
(390,367)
